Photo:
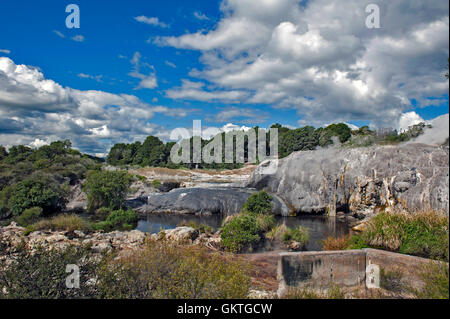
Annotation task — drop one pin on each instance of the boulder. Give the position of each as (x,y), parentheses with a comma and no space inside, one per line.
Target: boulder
(205,201)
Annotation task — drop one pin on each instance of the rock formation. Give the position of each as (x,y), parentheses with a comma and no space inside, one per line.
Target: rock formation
(362,180)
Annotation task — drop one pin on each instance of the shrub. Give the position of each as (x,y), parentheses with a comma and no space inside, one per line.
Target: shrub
(106,189)
(265,222)
(62,223)
(102,213)
(42,274)
(29,216)
(156,184)
(333,292)
(164,270)
(38,191)
(335,243)
(436,278)
(258,203)
(276,232)
(299,234)
(424,234)
(202,228)
(240,233)
(120,220)
(392,280)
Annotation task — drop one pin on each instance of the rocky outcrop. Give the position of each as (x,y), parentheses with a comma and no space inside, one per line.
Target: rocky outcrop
(411,176)
(204,201)
(13,235)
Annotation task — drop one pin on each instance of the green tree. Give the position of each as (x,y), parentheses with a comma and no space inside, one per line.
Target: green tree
(37,191)
(106,189)
(3,153)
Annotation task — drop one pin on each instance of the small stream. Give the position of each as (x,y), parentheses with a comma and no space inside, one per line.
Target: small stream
(320,227)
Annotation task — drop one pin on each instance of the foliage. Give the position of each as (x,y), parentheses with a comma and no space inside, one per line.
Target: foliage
(156,184)
(119,220)
(436,278)
(258,203)
(201,228)
(106,189)
(299,234)
(392,280)
(36,191)
(165,270)
(265,222)
(42,274)
(333,292)
(240,233)
(29,216)
(64,222)
(336,243)
(424,234)
(41,176)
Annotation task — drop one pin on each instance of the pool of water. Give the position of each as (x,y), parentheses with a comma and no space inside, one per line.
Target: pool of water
(320,227)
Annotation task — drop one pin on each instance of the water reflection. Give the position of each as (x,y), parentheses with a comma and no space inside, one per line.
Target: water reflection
(320,227)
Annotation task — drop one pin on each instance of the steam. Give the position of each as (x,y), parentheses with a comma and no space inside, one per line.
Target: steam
(436,135)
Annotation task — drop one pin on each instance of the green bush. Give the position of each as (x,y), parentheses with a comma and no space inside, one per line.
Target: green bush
(42,274)
(265,222)
(164,270)
(258,203)
(29,216)
(202,228)
(424,234)
(38,191)
(299,234)
(106,189)
(119,220)
(240,233)
(156,184)
(61,223)
(436,278)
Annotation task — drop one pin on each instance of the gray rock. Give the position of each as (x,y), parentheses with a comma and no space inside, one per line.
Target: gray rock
(410,176)
(204,201)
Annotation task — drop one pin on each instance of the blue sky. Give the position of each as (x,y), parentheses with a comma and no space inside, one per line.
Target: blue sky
(242,62)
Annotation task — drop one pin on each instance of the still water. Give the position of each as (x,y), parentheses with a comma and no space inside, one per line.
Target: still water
(320,227)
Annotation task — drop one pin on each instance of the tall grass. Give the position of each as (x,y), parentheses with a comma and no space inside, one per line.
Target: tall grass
(62,222)
(424,234)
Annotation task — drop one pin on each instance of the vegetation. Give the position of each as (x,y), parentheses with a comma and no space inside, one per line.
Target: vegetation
(299,234)
(156,184)
(40,177)
(246,230)
(29,216)
(436,278)
(106,189)
(336,243)
(42,274)
(159,270)
(424,234)
(119,220)
(63,222)
(241,233)
(201,228)
(35,191)
(333,292)
(258,203)
(163,270)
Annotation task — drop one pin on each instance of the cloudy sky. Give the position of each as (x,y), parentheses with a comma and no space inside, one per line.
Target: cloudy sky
(136,68)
